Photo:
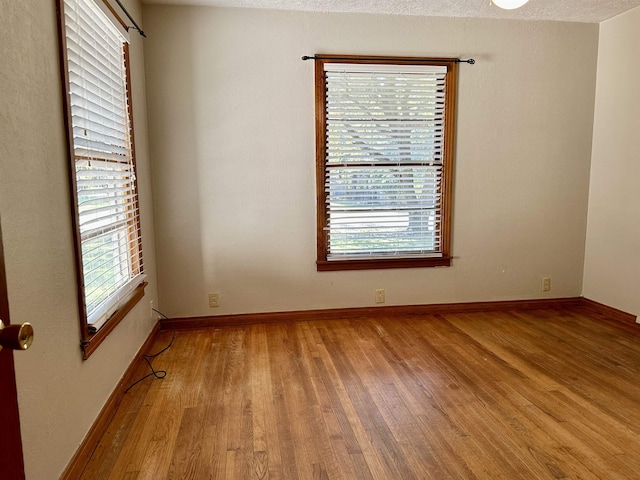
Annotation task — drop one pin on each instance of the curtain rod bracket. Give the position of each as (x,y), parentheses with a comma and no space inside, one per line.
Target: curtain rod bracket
(135,25)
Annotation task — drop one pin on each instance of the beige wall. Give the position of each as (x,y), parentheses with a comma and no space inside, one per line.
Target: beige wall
(612,262)
(232,142)
(59,394)
(231,135)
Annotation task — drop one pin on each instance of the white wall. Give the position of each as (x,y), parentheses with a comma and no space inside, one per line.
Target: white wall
(612,262)
(232,145)
(59,394)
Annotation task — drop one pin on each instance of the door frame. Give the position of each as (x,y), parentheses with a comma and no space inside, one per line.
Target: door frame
(11,455)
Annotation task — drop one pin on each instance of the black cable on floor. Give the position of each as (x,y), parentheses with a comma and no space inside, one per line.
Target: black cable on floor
(147,358)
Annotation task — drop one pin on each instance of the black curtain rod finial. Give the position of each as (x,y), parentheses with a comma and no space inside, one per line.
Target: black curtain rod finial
(135,25)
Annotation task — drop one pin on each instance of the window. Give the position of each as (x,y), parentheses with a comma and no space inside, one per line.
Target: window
(384,131)
(103,172)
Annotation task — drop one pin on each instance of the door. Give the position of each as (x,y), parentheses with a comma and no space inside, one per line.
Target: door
(11,461)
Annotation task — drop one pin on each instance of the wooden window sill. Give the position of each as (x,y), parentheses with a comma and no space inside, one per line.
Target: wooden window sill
(377,264)
(92,341)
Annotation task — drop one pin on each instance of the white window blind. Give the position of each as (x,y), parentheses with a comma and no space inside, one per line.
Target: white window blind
(384,160)
(107,203)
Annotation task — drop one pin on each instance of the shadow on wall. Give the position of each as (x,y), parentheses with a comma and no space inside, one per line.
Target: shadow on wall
(175,166)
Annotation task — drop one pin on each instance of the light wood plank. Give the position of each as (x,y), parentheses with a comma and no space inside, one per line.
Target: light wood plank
(536,394)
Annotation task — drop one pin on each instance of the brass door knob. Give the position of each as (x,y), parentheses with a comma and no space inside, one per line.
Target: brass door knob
(16,337)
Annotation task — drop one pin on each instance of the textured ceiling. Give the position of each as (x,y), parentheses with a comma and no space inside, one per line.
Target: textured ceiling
(590,11)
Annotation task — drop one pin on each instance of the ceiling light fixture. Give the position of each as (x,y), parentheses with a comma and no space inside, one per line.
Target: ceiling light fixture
(509,4)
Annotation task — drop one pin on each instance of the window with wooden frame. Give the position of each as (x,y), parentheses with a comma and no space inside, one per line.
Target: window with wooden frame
(384,159)
(97,100)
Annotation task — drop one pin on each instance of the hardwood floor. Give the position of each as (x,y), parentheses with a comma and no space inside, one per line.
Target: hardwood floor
(545,394)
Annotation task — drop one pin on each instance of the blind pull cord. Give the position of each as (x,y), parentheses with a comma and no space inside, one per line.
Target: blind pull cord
(135,25)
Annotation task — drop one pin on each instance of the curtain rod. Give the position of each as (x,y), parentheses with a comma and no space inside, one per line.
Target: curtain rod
(135,25)
(470,61)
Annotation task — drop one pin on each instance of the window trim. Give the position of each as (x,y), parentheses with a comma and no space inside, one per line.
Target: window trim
(89,341)
(444,260)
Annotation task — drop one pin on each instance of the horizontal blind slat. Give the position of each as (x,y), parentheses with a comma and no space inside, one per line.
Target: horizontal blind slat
(377,115)
(105,172)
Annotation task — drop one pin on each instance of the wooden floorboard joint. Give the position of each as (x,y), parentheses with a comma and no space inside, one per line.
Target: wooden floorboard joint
(524,394)
(91,441)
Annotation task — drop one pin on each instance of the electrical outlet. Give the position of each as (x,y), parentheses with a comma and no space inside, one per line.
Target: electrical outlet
(214,299)
(380,295)
(546,284)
